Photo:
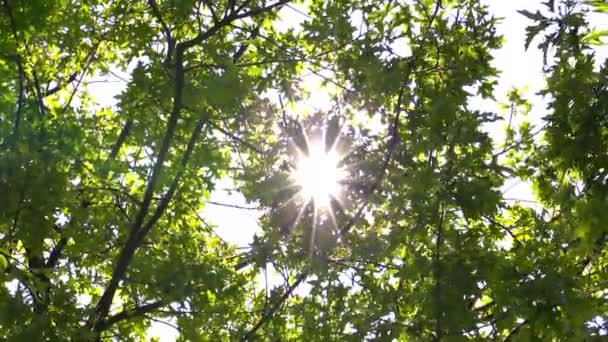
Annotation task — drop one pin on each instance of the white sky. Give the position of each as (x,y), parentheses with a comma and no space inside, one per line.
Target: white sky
(519,69)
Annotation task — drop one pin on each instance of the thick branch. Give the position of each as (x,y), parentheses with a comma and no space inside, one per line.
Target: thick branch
(126,254)
(21,97)
(243,48)
(60,85)
(39,95)
(139,229)
(126,129)
(132,313)
(166,199)
(56,253)
(261,10)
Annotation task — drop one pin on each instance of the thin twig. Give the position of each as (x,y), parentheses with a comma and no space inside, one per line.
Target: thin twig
(165,28)
(505,228)
(515,331)
(271,311)
(236,138)
(85,70)
(437,273)
(229,205)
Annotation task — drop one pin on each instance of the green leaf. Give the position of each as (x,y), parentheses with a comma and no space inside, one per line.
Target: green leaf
(533,31)
(4,264)
(532,16)
(595,37)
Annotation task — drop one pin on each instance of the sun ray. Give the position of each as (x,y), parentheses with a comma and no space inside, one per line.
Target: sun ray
(334,143)
(291,199)
(299,216)
(332,217)
(313,232)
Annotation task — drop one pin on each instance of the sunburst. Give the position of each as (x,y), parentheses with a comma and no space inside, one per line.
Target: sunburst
(319,173)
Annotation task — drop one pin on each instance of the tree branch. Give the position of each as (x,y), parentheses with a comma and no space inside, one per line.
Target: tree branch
(261,10)
(87,65)
(167,32)
(273,309)
(124,132)
(59,85)
(126,254)
(229,205)
(384,166)
(515,331)
(437,273)
(232,16)
(140,228)
(51,262)
(37,89)
(235,138)
(132,313)
(505,228)
(166,199)
(21,97)
(22,76)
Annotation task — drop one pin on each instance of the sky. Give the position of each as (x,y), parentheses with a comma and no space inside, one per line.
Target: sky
(521,69)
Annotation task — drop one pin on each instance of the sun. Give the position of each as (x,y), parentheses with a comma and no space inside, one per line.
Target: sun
(318,174)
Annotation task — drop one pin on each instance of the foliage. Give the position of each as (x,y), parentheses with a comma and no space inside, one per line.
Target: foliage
(100,226)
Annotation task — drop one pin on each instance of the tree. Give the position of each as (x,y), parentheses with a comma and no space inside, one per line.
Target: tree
(100,221)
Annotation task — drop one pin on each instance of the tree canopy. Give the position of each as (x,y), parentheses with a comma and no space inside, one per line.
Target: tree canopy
(101,232)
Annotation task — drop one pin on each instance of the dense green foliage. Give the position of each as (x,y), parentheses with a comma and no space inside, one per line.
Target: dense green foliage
(100,223)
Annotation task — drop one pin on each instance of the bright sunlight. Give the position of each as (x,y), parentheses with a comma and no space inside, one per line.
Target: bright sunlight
(319,174)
